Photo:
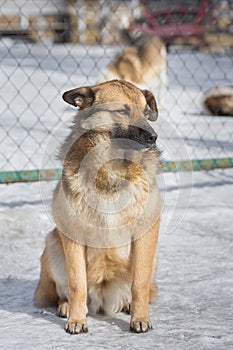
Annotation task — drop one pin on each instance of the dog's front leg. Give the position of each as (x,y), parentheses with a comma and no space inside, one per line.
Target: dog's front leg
(77,286)
(143,250)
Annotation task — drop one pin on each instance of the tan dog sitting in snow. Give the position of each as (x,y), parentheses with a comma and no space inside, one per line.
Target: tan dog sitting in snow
(101,255)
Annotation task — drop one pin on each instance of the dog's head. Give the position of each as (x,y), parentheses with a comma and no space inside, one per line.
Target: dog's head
(117,109)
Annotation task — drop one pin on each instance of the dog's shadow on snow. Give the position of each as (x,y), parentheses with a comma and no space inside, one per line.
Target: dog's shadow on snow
(17,297)
(111,320)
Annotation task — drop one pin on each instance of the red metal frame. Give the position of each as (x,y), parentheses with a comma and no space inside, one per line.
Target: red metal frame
(176,21)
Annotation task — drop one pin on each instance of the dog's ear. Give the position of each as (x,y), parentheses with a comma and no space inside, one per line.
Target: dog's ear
(152,104)
(82,97)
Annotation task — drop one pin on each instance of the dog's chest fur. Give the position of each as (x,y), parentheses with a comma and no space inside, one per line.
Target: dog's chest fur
(101,205)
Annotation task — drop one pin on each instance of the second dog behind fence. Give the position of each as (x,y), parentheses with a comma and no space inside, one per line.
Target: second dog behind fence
(144,63)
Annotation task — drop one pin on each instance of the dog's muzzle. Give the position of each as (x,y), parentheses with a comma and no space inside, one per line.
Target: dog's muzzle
(137,138)
(144,138)
(148,139)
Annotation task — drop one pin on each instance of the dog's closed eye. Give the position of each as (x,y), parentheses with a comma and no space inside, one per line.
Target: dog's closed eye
(124,111)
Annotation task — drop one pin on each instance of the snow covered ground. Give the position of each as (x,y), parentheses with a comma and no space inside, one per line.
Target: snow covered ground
(194,309)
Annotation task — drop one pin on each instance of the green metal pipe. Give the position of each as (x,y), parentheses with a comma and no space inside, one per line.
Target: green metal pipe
(197,164)
(7,177)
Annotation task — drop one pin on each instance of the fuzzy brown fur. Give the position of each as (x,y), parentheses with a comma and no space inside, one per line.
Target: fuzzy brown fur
(219,101)
(99,259)
(137,62)
(143,63)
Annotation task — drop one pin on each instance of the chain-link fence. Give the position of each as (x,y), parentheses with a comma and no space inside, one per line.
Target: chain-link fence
(48,47)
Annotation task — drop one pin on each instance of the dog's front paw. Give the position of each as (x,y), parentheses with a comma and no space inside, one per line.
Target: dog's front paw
(76,327)
(140,326)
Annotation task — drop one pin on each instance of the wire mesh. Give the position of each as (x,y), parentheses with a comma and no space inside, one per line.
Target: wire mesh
(48,47)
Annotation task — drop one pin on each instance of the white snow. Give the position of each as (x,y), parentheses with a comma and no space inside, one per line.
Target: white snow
(195,275)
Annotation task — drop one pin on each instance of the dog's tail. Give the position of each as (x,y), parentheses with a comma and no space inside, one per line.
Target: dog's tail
(45,294)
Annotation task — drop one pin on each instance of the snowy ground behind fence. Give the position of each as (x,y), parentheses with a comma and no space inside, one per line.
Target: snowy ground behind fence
(34,76)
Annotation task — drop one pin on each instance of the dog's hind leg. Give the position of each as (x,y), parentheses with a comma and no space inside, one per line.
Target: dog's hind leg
(127,309)
(63,308)
(45,294)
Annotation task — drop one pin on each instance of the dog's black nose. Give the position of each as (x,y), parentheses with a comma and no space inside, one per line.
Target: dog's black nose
(152,139)
(148,137)
(144,136)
